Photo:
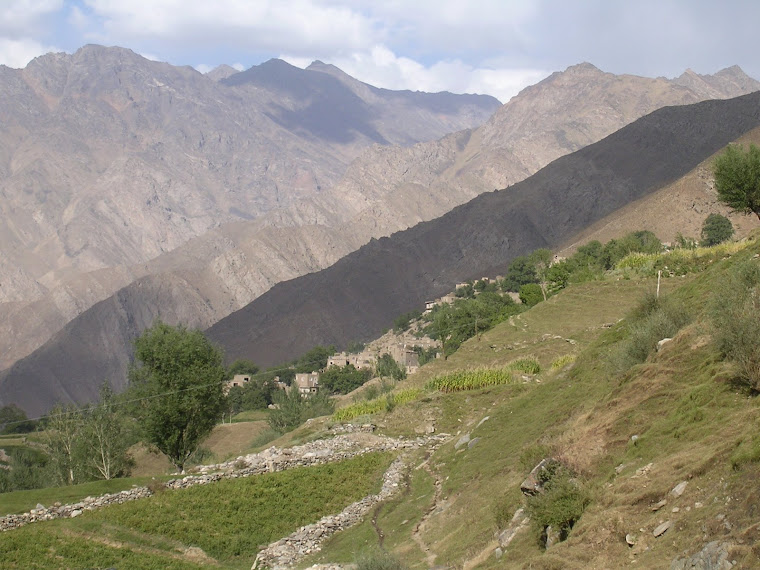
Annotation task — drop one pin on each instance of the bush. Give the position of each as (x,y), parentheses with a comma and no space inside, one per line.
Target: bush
(294,409)
(531,294)
(734,313)
(560,505)
(653,320)
(716,229)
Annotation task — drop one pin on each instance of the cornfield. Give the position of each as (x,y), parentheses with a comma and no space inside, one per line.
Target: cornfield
(382,404)
(471,379)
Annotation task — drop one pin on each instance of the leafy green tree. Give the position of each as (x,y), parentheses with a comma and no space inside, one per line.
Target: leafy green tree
(737,178)
(355,347)
(402,322)
(13,420)
(179,379)
(387,367)
(520,272)
(28,469)
(63,437)
(106,436)
(293,409)
(315,359)
(343,379)
(241,366)
(466,291)
(716,229)
(542,261)
(531,294)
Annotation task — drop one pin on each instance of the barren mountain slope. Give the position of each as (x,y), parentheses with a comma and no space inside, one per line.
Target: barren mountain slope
(359,296)
(108,160)
(385,190)
(361,293)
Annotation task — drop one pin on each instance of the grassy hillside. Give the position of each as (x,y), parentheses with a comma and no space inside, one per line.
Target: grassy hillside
(223,524)
(691,421)
(583,384)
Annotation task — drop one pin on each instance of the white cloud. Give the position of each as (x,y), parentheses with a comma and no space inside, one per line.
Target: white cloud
(383,68)
(21,18)
(264,25)
(17,53)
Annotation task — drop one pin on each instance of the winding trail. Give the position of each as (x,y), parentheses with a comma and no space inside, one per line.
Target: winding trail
(418,529)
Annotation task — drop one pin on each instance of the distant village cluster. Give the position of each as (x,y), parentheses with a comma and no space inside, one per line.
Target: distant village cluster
(400,347)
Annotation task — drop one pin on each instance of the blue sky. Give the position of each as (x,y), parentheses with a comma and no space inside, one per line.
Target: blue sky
(485,46)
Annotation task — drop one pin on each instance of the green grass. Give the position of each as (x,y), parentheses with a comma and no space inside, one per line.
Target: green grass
(51,545)
(229,520)
(23,501)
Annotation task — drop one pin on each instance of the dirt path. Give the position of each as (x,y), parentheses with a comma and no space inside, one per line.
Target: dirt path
(417,532)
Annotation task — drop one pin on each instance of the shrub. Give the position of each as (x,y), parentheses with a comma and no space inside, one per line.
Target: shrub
(653,320)
(527,365)
(716,229)
(560,505)
(734,313)
(531,294)
(562,361)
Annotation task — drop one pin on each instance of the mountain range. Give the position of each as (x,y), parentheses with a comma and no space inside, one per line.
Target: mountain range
(384,189)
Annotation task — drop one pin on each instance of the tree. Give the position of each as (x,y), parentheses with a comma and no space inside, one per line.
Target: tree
(737,178)
(531,294)
(63,437)
(343,379)
(292,409)
(387,367)
(716,229)
(520,272)
(178,378)
(13,420)
(542,261)
(105,438)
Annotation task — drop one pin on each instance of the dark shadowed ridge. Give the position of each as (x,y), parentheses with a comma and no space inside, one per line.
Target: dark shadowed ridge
(359,296)
(333,111)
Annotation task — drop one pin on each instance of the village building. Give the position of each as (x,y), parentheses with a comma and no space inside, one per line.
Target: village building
(306,383)
(238,380)
(360,360)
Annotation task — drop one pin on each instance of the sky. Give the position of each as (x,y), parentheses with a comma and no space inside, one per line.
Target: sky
(496,47)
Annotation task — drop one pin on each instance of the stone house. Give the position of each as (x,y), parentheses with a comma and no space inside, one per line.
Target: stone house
(361,360)
(239,380)
(306,383)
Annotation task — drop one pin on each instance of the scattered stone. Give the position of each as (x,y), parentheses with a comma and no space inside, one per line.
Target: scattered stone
(714,556)
(519,521)
(552,537)
(662,343)
(40,507)
(679,489)
(657,506)
(465,439)
(75,513)
(642,471)
(498,553)
(473,443)
(481,422)
(634,439)
(675,510)
(630,540)
(619,469)
(662,529)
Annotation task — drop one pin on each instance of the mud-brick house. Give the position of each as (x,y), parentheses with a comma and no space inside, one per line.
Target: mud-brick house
(307,383)
(239,380)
